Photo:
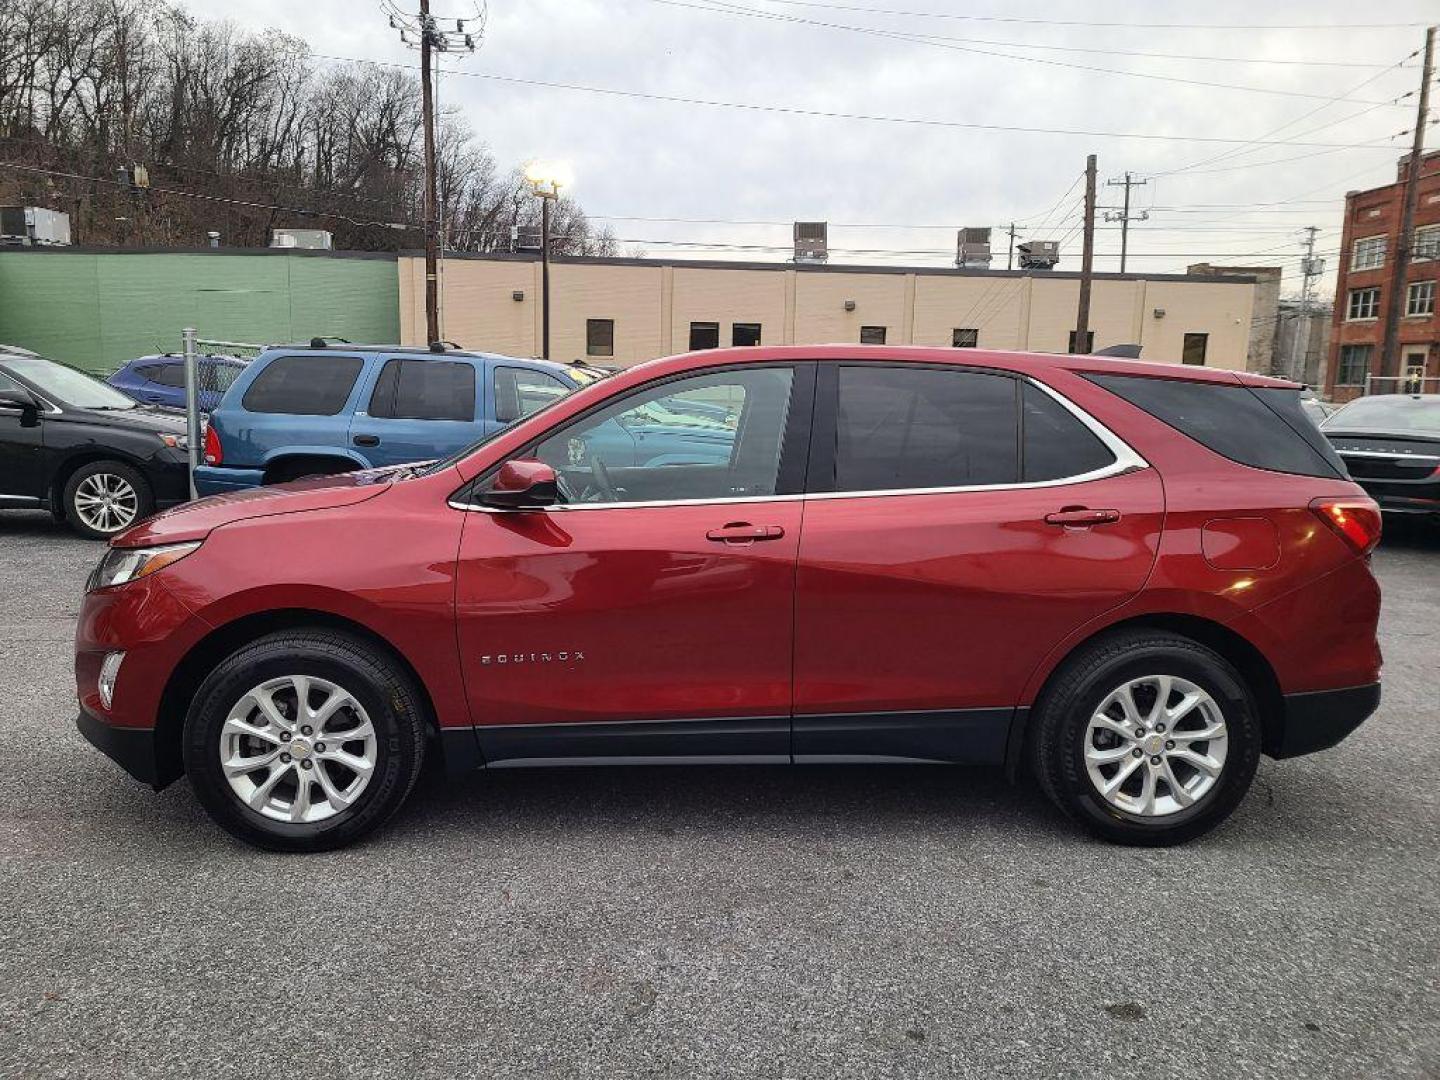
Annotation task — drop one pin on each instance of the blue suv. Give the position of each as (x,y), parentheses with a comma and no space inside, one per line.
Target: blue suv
(160,379)
(309,410)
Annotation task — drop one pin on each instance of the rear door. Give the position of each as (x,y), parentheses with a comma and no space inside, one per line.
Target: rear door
(419,408)
(960,523)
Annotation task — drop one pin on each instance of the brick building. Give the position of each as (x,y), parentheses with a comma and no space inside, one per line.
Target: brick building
(1372,223)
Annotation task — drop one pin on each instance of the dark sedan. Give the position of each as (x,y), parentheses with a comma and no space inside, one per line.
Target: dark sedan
(1391,445)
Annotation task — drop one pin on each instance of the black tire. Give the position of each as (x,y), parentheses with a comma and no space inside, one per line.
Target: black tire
(1080,686)
(375,681)
(128,474)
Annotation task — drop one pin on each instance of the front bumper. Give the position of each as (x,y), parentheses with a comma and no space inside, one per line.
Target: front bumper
(219,479)
(1321,719)
(132,748)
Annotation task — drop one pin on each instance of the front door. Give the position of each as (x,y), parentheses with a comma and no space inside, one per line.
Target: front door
(649,614)
(965,523)
(21,454)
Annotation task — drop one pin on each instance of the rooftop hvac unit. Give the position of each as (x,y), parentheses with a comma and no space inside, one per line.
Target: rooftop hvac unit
(972,249)
(1038,254)
(34,226)
(302,239)
(526,238)
(812,242)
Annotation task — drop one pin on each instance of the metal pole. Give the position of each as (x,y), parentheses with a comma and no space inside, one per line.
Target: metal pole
(1010,259)
(427,108)
(1087,261)
(545,276)
(1125,225)
(1390,351)
(192,402)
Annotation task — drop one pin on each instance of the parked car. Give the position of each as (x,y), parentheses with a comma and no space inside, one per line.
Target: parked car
(309,410)
(73,445)
(1134,577)
(160,379)
(1391,445)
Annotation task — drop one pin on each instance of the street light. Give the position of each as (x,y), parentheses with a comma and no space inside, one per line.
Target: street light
(546,178)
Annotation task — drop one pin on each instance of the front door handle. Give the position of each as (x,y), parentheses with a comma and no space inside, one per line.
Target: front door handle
(742,532)
(366,440)
(1081,517)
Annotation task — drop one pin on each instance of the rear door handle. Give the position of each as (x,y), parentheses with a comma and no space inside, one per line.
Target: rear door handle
(1080,517)
(366,440)
(742,532)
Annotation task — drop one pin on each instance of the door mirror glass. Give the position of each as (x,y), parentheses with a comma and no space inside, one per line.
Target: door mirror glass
(521,484)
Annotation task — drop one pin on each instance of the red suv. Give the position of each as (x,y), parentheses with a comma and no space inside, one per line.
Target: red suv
(1134,577)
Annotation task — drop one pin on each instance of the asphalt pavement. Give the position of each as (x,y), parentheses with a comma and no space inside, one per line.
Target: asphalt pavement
(717,922)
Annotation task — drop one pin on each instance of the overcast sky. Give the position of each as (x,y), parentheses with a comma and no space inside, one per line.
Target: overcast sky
(635,159)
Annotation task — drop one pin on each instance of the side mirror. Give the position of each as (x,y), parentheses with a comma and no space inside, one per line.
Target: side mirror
(523,484)
(24,401)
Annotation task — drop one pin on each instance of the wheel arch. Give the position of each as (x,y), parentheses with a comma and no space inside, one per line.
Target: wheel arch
(1242,654)
(335,461)
(209,651)
(78,459)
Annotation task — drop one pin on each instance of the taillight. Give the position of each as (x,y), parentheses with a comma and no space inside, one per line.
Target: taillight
(1356,521)
(214,452)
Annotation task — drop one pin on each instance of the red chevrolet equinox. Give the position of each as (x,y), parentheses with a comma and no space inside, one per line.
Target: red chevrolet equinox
(1132,578)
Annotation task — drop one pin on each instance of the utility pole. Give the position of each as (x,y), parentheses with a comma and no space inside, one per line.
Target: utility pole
(1400,265)
(1087,262)
(1310,269)
(1124,215)
(1010,258)
(424,32)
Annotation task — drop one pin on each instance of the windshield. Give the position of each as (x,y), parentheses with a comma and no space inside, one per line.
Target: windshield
(66,385)
(1390,412)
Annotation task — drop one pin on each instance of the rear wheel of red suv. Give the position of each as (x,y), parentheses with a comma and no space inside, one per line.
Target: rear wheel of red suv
(304,741)
(1146,737)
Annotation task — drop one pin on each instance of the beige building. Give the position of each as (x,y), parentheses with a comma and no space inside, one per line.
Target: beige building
(622,311)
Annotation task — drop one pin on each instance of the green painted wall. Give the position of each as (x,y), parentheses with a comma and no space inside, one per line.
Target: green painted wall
(97,310)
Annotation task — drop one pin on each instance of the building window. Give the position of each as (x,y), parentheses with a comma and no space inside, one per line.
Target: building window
(872,335)
(1369,253)
(964,339)
(599,337)
(704,335)
(1420,298)
(1089,343)
(745,333)
(1364,304)
(1426,244)
(1193,351)
(1354,365)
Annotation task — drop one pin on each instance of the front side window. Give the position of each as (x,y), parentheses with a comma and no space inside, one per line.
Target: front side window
(1363,304)
(425,390)
(522,391)
(1420,298)
(599,337)
(872,335)
(1354,365)
(316,385)
(711,436)
(964,339)
(1368,253)
(704,335)
(1193,351)
(902,428)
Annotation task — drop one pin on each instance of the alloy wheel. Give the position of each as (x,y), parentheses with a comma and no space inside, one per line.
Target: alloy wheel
(106,502)
(298,749)
(1155,745)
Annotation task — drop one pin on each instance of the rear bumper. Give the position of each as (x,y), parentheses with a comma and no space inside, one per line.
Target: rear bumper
(132,748)
(1319,720)
(217,479)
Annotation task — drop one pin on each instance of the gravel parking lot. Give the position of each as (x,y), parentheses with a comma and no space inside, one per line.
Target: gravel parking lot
(716,922)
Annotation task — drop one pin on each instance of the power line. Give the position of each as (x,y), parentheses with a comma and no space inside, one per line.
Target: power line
(1088,22)
(725,7)
(796,110)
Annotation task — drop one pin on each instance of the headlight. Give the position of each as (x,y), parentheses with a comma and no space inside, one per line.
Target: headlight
(176,442)
(126,564)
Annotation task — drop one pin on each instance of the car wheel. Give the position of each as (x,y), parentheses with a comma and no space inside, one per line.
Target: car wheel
(1146,738)
(106,497)
(304,741)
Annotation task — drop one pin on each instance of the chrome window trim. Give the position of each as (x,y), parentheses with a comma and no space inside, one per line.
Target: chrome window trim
(1127,459)
(1388,455)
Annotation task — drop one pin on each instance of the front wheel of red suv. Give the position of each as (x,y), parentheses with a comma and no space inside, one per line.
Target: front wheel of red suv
(1146,737)
(304,740)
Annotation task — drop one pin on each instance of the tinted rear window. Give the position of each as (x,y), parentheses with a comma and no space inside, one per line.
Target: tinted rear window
(425,390)
(303,385)
(1057,444)
(1260,427)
